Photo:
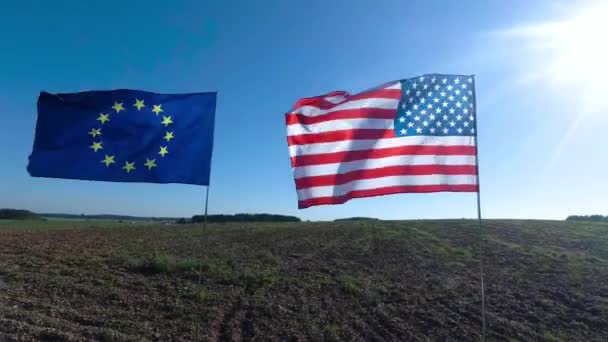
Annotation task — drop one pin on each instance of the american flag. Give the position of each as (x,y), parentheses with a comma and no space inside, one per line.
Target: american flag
(413,135)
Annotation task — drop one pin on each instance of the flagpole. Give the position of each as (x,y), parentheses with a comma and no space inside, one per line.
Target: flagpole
(201,242)
(481,236)
(481,240)
(200,264)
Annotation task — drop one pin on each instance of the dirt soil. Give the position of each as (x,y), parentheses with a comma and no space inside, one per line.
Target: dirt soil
(348,281)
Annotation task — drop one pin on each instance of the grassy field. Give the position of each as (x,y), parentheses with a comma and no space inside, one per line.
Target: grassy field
(373,281)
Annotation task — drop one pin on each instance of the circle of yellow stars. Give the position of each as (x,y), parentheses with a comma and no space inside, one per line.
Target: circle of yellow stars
(103,118)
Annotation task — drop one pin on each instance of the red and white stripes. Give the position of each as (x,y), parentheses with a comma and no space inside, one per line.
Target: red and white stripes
(344,147)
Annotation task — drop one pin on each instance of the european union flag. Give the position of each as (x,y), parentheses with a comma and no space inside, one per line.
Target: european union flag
(124,136)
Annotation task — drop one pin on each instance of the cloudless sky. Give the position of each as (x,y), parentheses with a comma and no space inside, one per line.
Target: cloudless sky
(261,56)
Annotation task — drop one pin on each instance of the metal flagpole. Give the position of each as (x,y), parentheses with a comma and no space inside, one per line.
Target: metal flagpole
(200,253)
(481,241)
(200,264)
(481,237)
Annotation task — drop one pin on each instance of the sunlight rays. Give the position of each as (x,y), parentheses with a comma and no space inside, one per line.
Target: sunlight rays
(571,54)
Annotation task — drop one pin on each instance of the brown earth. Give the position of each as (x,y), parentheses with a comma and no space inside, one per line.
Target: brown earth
(372,281)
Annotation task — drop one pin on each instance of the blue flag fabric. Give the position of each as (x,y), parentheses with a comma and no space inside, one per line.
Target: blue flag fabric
(124,136)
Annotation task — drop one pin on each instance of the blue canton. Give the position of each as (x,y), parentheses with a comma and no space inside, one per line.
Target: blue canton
(437,105)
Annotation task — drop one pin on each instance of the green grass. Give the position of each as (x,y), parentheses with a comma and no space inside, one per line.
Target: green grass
(549,337)
(169,264)
(350,285)
(121,259)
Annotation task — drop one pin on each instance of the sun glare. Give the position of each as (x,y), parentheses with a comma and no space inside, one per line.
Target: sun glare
(573,53)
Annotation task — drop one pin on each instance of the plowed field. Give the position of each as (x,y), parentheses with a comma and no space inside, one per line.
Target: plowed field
(350,281)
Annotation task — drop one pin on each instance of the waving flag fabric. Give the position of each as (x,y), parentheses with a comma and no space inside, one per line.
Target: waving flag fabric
(411,136)
(124,136)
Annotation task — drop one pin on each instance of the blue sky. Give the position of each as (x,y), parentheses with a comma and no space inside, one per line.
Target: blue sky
(537,160)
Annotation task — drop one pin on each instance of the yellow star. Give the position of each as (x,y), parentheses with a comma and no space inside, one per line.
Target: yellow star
(118,107)
(129,166)
(168,136)
(95,132)
(103,118)
(167,120)
(163,151)
(150,163)
(108,160)
(139,104)
(157,109)
(96,146)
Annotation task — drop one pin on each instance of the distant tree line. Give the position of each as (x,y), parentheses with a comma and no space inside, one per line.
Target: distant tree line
(16,214)
(241,218)
(358,218)
(109,217)
(591,218)
(19,214)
